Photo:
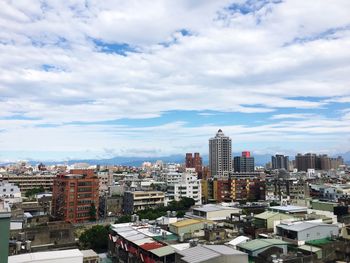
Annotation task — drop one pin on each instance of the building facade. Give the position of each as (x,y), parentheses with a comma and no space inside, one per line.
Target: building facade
(28,182)
(220,155)
(75,196)
(189,186)
(280,161)
(244,163)
(194,161)
(138,200)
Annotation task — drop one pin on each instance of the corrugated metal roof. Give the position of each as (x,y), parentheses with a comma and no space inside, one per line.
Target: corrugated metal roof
(225,250)
(163,251)
(136,237)
(151,246)
(68,254)
(289,208)
(300,226)
(128,233)
(197,254)
(213,207)
(257,244)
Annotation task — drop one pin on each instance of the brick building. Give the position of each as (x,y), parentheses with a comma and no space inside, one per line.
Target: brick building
(194,161)
(75,196)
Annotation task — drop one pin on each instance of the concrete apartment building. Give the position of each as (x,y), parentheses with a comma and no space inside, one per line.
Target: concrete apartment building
(139,200)
(10,193)
(105,179)
(220,155)
(244,163)
(74,195)
(28,182)
(317,162)
(280,161)
(187,186)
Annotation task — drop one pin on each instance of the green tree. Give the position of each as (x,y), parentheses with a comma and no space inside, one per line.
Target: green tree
(34,191)
(92,212)
(95,238)
(123,219)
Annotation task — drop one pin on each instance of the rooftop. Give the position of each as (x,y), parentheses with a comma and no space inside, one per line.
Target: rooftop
(163,251)
(45,256)
(197,254)
(89,253)
(300,226)
(203,253)
(257,244)
(266,215)
(186,222)
(213,207)
(289,208)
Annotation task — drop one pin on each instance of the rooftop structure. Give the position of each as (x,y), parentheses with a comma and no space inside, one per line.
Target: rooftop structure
(213,212)
(217,253)
(289,209)
(256,246)
(60,256)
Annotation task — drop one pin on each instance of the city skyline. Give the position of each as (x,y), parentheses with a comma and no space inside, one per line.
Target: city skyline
(82,80)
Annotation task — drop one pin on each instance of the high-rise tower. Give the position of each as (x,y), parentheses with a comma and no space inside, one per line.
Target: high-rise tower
(220,155)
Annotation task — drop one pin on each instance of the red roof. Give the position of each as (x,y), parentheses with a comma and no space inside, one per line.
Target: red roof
(150,246)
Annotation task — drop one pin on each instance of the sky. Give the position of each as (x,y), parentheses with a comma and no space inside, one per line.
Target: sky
(97,79)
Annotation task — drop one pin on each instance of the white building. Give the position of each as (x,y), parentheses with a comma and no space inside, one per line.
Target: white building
(10,193)
(61,256)
(188,185)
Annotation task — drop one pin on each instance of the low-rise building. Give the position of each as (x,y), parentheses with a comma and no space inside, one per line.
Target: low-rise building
(60,256)
(139,200)
(254,247)
(213,212)
(210,254)
(301,232)
(140,242)
(268,219)
(186,228)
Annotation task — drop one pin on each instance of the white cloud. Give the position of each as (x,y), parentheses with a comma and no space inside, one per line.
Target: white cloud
(281,56)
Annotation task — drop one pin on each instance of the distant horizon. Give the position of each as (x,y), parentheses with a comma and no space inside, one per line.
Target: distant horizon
(136,159)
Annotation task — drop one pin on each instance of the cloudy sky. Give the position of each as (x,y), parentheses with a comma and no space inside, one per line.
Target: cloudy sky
(95,79)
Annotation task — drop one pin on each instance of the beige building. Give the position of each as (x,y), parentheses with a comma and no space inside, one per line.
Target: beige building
(269,219)
(186,228)
(214,212)
(139,200)
(27,182)
(105,180)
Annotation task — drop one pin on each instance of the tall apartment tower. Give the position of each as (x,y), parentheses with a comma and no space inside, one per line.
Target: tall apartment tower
(306,161)
(280,161)
(195,161)
(244,163)
(74,195)
(220,155)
